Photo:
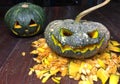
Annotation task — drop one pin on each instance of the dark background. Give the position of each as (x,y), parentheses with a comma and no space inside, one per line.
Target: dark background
(6,4)
(51,2)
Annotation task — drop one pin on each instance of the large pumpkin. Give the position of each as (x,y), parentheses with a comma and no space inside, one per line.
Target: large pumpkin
(25,19)
(77,38)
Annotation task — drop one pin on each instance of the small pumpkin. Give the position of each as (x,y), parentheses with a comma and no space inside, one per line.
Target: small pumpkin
(25,19)
(77,38)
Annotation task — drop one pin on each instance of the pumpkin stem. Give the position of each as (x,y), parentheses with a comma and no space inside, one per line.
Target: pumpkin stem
(25,5)
(87,11)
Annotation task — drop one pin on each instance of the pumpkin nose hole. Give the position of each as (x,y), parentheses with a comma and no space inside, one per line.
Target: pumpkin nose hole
(26,30)
(93,34)
(65,32)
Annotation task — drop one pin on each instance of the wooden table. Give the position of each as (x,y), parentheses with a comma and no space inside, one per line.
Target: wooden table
(14,67)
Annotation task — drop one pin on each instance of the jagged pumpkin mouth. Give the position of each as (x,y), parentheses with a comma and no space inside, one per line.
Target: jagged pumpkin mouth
(27,32)
(34,32)
(32,25)
(76,49)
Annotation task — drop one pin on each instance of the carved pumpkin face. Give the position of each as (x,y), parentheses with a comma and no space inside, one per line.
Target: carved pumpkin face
(25,19)
(76,39)
(26,30)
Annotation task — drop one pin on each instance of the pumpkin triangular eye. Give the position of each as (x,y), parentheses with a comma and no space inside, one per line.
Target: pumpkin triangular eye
(17,25)
(32,23)
(65,32)
(93,34)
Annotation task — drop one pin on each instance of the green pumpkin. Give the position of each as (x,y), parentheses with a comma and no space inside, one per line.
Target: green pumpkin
(76,38)
(25,19)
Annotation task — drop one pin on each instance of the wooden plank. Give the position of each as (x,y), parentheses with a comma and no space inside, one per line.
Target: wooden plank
(15,69)
(7,43)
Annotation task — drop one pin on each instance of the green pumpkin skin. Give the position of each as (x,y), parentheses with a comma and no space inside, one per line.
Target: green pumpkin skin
(72,39)
(23,15)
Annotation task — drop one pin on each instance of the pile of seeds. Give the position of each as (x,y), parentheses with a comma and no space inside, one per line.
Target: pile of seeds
(103,66)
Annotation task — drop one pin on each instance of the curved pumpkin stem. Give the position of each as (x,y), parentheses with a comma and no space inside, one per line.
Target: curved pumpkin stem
(84,13)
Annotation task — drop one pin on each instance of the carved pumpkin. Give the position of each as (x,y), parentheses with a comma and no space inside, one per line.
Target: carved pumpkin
(77,38)
(25,19)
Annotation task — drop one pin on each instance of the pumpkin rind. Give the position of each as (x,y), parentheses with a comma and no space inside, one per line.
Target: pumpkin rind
(22,14)
(77,43)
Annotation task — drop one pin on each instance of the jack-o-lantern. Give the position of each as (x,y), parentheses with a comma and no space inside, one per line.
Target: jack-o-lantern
(77,38)
(25,19)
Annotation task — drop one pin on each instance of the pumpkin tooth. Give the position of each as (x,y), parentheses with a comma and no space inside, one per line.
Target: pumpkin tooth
(91,47)
(82,50)
(65,48)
